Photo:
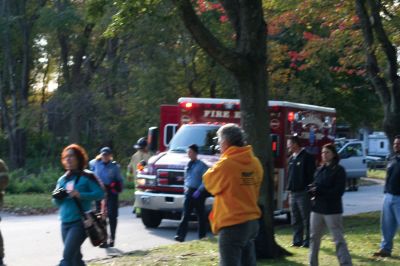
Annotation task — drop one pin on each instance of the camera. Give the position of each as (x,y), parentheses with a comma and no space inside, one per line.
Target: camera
(59,193)
(312,191)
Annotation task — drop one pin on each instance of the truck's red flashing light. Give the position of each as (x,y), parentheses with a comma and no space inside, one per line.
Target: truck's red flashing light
(187,105)
(163,174)
(291,116)
(274,146)
(275,108)
(163,181)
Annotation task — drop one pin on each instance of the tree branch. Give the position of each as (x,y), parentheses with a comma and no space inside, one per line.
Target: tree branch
(388,48)
(372,63)
(223,55)
(232,9)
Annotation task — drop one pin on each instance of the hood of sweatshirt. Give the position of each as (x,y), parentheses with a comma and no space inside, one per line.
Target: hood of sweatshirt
(241,155)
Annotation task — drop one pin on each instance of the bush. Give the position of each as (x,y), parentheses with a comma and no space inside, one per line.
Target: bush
(43,182)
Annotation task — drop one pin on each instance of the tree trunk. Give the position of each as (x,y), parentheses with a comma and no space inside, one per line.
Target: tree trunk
(386,82)
(247,63)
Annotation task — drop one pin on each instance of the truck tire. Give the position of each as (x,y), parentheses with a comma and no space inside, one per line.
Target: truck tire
(151,218)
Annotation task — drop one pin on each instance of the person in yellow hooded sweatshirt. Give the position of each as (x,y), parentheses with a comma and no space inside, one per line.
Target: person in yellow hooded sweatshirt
(234,181)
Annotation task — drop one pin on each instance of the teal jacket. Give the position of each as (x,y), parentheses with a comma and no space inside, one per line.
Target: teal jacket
(89,189)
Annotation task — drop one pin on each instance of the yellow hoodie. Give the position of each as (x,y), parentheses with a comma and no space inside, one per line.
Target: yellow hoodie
(235,182)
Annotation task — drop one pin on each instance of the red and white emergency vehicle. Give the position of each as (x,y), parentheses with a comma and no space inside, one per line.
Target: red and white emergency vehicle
(159,191)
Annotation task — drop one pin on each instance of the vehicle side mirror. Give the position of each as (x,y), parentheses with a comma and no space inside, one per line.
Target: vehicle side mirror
(152,139)
(215,149)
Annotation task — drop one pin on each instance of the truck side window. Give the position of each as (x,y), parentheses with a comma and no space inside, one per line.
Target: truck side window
(353,150)
(169,132)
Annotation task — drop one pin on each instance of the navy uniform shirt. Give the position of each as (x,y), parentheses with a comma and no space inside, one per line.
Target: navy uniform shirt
(107,172)
(194,174)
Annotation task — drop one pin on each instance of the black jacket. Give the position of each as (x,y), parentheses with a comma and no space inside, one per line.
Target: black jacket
(300,171)
(392,184)
(330,183)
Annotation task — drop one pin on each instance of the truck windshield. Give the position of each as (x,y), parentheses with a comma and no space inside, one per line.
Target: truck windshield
(202,136)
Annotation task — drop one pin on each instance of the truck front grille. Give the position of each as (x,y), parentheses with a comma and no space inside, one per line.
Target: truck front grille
(168,177)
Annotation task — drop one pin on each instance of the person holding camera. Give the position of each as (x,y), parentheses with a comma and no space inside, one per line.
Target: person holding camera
(110,174)
(80,184)
(327,207)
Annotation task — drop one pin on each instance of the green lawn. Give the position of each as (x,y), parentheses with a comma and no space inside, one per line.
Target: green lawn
(28,203)
(40,203)
(378,174)
(362,234)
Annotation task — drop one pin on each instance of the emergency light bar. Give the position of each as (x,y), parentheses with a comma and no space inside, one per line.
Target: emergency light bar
(235,102)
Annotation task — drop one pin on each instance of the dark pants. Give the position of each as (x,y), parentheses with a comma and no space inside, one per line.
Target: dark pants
(73,235)
(112,205)
(189,204)
(112,213)
(236,244)
(300,213)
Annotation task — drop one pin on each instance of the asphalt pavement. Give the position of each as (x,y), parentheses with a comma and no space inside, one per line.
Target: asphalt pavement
(36,240)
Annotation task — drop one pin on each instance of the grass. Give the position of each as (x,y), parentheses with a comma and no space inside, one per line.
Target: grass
(377,174)
(28,203)
(40,203)
(362,235)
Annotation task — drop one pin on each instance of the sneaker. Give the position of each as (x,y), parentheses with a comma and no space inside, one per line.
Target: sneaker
(178,238)
(382,253)
(111,244)
(103,245)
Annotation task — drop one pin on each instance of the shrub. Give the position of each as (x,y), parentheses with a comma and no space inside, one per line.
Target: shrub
(42,182)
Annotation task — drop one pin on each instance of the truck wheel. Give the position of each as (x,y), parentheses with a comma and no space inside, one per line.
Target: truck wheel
(151,218)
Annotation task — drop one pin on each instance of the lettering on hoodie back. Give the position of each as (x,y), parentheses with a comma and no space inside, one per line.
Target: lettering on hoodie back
(247,179)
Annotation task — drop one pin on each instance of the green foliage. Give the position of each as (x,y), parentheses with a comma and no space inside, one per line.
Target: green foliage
(316,58)
(38,203)
(22,181)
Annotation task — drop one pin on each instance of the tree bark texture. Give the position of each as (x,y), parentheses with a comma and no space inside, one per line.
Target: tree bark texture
(385,81)
(247,62)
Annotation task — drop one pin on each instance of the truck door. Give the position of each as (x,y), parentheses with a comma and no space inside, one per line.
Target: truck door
(352,158)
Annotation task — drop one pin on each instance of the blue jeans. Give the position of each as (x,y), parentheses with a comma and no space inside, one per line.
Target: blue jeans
(236,244)
(73,235)
(390,220)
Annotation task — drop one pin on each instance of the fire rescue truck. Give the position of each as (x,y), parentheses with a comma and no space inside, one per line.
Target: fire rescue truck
(160,184)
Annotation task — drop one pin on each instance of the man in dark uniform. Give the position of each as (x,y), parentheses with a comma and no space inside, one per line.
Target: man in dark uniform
(390,216)
(301,167)
(195,195)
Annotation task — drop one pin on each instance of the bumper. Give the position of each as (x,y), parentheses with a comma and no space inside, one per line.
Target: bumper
(162,201)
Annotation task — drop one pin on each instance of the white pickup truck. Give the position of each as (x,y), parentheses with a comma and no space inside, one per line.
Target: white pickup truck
(353,157)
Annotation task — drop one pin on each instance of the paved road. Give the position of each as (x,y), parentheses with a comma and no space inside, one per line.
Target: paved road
(36,240)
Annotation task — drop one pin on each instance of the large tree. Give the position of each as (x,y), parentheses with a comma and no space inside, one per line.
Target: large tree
(246,59)
(382,56)
(18,18)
